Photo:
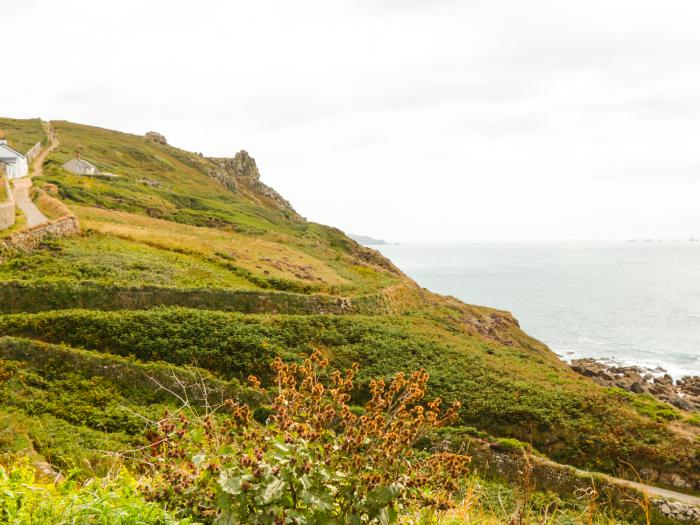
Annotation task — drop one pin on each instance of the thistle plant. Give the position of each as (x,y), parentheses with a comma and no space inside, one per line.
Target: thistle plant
(314,460)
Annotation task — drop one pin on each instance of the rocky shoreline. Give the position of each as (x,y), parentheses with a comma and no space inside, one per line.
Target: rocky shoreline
(683,393)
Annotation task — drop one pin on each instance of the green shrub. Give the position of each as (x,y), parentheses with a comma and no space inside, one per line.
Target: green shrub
(509,445)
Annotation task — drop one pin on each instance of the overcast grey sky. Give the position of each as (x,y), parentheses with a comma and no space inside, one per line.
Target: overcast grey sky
(401,119)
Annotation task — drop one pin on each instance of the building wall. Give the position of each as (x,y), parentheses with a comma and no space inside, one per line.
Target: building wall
(18,168)
(33,152)
(79,168)
(22,168)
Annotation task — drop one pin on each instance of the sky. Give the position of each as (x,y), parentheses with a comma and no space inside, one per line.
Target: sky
(430,120)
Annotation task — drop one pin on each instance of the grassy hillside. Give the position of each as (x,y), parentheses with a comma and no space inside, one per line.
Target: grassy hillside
(165,198)
(20,134)
(517,391)
(159,181)
(73,407)
(174,269)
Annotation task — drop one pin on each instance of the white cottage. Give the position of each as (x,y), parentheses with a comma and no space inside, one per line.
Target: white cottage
(15,163)
(80,167)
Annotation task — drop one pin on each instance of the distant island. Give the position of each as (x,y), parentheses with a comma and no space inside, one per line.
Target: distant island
(366,241)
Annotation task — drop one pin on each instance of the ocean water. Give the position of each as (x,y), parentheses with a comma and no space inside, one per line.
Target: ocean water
(635,302)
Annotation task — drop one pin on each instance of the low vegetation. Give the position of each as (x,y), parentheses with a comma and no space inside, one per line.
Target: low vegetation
(109,260)
(305,455)
(178,281)
(114,500)
(51,207)
(507,392)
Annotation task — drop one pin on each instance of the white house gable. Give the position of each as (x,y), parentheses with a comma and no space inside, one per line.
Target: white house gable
(15,162)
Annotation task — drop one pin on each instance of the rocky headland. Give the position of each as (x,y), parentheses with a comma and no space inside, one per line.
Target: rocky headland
(683,393)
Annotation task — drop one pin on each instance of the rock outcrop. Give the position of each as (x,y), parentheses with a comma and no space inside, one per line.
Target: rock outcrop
(683,394)
(240,174)
(157,138)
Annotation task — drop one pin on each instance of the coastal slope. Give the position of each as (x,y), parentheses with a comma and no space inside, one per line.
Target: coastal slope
(189,261)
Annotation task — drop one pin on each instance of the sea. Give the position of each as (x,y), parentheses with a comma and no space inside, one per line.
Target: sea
(632,302)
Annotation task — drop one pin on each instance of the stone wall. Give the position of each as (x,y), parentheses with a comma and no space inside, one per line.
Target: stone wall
(391,300)
(7,208)
(31,237)
(515,467)
(17,296)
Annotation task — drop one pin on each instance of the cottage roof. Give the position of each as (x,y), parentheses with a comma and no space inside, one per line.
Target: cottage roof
(85,163)
(6,152)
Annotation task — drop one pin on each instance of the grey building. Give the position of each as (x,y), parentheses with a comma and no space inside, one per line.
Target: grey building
(80,167)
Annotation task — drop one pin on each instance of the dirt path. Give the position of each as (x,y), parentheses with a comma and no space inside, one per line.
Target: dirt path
(38,164)
(21,191)
(24,202)
(652,491)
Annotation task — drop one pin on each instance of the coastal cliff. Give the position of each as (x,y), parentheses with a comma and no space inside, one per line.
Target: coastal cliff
(240,174)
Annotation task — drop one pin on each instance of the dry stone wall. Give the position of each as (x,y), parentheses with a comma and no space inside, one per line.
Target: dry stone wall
(546,475)
(17,297)
(31,237)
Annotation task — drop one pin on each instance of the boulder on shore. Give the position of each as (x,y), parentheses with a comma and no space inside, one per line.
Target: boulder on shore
(683,394)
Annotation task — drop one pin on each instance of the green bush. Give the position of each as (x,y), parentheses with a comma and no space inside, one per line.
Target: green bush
(510,445)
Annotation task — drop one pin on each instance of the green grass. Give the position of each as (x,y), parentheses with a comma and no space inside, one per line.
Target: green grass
(27,500)
(503,390)
(184,194)
(22,134)
(110,260)
(72,406)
